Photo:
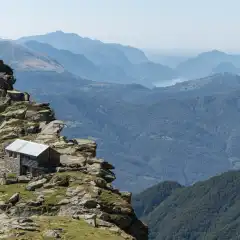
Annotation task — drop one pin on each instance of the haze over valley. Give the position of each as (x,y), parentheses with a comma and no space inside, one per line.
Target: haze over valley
(157,86)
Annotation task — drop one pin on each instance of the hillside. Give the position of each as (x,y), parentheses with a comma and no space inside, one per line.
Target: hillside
(76,200)
(145,202)
(115,63)
(207,210)
(95,50)
(191,125)
(226,67)
(23,59)
(205,63)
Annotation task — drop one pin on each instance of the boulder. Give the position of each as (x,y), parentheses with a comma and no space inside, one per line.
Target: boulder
(60,180)
(16,95)
(6,80)
(42,115)
(72,161)
(91,219)
(64,201)
(73,191)
(126,196)
(23,179)
(4,206)
(53,128)
(88,203)
(99,182)
(50,234)
(87,147)
(17,113)
(37,184)
(33,129)
(102,162)
(122,221)
(96,170)
(14,198)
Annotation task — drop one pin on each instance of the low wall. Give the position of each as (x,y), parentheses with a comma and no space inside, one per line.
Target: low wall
(12,165)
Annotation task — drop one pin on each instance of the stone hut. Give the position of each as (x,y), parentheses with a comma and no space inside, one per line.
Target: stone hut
(25,157)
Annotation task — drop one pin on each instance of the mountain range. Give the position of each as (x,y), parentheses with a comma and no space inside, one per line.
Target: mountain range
(180,135)
(207,210)
(206,63)
(24,59)
(151,135)
(173,133)
(100,61)
(110,62)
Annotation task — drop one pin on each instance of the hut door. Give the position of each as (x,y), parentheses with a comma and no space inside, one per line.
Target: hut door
(24,170)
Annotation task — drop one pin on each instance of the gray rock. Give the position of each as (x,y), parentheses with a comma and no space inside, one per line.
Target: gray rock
(71,169)
(64,201)
(49,185)
(40,198)
(33,129)
(34,203)
(4,206)
(62,181)
(91,219)
(87,147)
(80,191)
(26,228)
(102,223)
(16,95)
(14,199)
(126,196)
(89,203)
(72,161)
(102,162)
(99,182)
(25,220)
(52,234)
(37,184)
(23,179)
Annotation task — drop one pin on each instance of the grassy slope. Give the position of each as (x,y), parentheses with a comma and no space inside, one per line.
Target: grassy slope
(207,210)
(146,201)
(72,230)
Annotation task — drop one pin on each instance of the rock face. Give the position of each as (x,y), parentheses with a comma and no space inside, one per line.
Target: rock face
(80,189)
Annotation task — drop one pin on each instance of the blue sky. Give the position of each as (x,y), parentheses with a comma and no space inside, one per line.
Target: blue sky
(157,24)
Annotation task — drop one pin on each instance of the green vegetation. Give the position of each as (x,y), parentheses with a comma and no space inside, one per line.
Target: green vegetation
(6,191)
(54,196)
(77,177)
(72,230)
(145,202)
(207,210)
(11,175)
(110,198)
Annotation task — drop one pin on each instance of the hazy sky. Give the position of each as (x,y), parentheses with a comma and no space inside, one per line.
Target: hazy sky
(159,24)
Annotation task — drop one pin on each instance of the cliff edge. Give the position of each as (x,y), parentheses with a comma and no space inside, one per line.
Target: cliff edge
(77,200)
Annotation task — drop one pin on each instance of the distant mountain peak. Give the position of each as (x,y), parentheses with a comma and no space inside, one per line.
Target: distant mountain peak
(214,52)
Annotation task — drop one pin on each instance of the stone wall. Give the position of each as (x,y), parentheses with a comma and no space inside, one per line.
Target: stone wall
(12,165)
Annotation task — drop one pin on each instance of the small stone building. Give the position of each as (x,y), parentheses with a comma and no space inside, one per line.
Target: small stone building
(25,157)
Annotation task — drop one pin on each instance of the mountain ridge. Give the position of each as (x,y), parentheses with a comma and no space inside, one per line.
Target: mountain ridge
(120,63)
(206,210)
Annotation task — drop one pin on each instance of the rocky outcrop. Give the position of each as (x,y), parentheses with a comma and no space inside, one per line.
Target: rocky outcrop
(81,188)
